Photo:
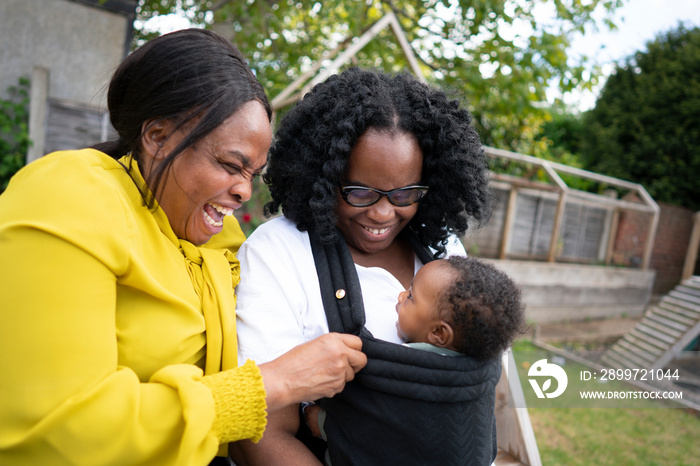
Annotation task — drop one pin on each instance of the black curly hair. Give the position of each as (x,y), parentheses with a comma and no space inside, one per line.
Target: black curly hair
(313,142)
(187,76)
(485,307)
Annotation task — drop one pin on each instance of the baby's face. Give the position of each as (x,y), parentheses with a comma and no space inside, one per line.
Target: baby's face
(418,306)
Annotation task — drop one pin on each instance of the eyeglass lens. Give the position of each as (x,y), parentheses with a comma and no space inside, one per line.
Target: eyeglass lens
(362,197)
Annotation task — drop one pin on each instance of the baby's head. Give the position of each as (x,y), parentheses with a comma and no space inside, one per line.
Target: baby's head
(463,304)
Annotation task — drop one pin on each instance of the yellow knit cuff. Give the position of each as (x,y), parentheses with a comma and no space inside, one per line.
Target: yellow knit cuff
(239,401)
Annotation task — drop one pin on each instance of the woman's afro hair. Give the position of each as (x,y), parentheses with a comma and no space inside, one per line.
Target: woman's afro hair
(313,143)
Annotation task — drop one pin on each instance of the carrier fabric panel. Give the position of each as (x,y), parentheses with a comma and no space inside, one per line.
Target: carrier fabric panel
(384,429)
(412,407)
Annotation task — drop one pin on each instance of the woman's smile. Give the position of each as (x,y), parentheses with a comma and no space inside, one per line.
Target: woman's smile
(214,214)
(377,234)
(377,231)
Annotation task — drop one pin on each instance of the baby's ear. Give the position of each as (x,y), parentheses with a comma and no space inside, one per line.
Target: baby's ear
(441,335)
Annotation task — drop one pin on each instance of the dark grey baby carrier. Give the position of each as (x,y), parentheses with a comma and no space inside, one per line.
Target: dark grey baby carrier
(407,406)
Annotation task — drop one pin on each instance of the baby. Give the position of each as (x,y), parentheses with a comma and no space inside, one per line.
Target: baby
(460,305)
(455,306)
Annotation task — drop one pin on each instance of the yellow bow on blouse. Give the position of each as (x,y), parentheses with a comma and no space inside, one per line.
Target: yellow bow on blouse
(215,274)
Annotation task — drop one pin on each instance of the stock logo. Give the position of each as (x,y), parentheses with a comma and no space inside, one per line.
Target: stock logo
(542,369)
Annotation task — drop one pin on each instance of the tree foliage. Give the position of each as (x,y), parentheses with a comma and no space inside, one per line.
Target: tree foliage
(644,127)
(14,131)
(494,54)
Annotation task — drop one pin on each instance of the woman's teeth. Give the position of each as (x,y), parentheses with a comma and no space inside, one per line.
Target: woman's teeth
(222,210)
(211,221)
(377,231)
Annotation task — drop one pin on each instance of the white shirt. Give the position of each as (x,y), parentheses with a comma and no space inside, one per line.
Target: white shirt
(279,298)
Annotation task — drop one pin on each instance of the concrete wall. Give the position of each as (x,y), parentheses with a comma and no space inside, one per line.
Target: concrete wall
(573,292)
(79,45)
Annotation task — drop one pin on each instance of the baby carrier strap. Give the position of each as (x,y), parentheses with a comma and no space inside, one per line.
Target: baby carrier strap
(340,287)
(407,406)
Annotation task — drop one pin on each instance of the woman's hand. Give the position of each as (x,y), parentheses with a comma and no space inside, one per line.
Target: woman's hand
(316,369)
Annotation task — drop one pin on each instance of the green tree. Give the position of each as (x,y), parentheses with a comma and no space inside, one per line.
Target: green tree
(494,54)
(14,131)
(564,132)
(644,127)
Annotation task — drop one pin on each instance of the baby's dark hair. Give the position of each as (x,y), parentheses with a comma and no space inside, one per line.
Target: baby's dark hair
(486,308)
(312,145)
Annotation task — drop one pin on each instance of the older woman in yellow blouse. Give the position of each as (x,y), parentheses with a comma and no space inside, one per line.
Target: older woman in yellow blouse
(117,328)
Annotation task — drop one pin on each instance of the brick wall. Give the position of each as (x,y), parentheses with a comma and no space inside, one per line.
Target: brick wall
(632,231)
(670,245)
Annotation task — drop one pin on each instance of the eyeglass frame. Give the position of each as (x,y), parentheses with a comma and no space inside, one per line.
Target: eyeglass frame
(344,194)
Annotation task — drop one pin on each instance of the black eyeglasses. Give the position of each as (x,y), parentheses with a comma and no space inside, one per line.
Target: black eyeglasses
(361,196)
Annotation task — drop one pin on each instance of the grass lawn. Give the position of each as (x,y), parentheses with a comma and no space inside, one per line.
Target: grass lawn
(610,436)
(604,436)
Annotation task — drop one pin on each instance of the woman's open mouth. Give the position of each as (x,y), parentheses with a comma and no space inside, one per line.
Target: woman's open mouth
(377,231)
(214,214)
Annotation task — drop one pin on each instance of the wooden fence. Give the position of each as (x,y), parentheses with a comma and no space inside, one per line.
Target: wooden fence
(550,221)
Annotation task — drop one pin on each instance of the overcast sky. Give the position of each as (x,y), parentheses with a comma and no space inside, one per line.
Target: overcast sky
(638,21)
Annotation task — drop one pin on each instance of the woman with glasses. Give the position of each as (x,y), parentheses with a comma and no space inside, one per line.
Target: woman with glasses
(364,157)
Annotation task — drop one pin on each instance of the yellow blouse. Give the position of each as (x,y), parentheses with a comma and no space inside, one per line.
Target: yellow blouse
(108,324)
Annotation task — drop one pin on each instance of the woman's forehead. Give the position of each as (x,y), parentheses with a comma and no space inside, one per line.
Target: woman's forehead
(385,159)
